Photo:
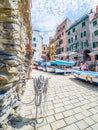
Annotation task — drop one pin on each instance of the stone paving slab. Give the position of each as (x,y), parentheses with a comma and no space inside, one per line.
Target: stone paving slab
(71,105)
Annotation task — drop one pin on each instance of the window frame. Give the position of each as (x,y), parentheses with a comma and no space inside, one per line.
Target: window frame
(95,23)
(73,30)
(68,32)
(34,38)
(96,33)
(83,24)
(84,33)
(81,34)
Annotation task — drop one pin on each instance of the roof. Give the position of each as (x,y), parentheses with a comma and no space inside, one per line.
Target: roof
(84,17)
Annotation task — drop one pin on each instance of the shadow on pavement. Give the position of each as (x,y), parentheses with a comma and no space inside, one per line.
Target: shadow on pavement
(21,123)
(84,84)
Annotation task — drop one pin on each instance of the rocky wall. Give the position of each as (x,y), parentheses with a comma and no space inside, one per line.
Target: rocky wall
(14,57)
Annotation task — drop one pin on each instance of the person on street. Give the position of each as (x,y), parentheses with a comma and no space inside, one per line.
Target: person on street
(85,67)
(97,66)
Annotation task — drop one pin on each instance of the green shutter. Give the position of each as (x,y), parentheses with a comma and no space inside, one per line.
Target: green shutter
(75,37)
(72,39)
(94,45)
(95,23)
(83,24)
(81,34)
(82,45)
(69,33)
(73,29)
(68,40)
(96,33)
(34,39)
(87,43)
(76,45)
(84,33)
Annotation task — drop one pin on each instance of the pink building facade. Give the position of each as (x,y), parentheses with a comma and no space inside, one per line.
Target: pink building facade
(61,36)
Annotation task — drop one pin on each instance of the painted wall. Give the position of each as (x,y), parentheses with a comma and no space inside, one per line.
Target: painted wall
(61,36)
(37,45)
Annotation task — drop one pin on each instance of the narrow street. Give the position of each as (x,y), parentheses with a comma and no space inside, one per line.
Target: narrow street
(72,105)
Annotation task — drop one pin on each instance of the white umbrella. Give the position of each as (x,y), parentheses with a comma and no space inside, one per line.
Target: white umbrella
(65,54)
(93,53)
(76,54)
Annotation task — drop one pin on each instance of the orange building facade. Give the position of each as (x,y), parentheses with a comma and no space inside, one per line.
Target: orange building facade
(61,36)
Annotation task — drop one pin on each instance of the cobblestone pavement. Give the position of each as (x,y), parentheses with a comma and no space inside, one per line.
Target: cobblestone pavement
(72,105)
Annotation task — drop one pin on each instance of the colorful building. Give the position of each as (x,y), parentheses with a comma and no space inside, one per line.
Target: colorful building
(79,37)
(37,45)
(94,35)
(45,52)
(52,48)
(61,36)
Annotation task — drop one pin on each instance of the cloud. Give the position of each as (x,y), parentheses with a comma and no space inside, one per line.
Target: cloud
(48,14)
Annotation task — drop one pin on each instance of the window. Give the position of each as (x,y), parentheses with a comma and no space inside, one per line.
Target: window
(86,43)
(68,40)
(96,33)
(34,39)
(84,33)
(96,57)
(83,24)
(73,29)
(57,37)
(62,49)
(75,37)
(94,45)
(81,34)
(34,45)
(69,33)
(95,23)
(72,47)
(62,33)
(60,42)
(82,45)
(75,46)
(72,39)
(64,26)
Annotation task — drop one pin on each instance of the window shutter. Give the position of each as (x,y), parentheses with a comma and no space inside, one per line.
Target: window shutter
(94,44)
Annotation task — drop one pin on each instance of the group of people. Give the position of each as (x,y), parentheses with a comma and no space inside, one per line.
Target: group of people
(84,66)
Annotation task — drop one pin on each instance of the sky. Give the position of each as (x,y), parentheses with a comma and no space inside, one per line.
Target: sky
(48,14)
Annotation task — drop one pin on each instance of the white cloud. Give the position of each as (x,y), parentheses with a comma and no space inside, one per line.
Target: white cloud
(47,14)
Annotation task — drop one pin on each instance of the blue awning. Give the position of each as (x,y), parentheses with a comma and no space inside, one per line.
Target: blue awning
(65,63)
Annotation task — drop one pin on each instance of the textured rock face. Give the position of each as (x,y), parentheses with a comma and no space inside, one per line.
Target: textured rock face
(15,29)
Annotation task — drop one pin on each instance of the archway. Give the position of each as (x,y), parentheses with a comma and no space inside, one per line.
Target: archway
(86,56)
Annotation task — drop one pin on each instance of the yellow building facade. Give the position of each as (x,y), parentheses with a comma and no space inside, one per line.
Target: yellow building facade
(52,49)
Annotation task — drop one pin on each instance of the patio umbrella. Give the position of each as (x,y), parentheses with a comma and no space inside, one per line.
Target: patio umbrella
(93,53)
(76,54)
(65,54)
